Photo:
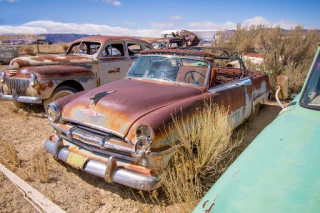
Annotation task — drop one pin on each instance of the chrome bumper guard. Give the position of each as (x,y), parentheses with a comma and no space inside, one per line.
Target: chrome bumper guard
(22,99)
(109,171)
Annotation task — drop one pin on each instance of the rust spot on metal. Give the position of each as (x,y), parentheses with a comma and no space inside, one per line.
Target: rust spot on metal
(50,84)
(204,204)
(182,52)
(159,149)
(116,70)
(210,207)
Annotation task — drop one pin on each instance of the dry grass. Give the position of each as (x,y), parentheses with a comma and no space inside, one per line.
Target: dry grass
(27,50)
(207,145)
(8,155)
(290,53)
(64,46)
(37,168)
(43,173)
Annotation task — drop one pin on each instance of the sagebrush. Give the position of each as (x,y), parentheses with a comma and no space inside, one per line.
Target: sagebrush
(205,147)
(288,52)
(8,155)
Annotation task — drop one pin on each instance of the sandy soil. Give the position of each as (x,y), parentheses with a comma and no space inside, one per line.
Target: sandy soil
(73,190)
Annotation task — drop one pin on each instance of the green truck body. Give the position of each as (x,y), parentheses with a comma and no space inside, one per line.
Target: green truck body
(280,170)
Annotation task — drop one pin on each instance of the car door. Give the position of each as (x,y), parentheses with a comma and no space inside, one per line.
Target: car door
(113,62)
(236,96)
(134,48)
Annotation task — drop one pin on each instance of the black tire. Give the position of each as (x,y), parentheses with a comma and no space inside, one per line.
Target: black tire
(59,92)
(20,105)
(255,110)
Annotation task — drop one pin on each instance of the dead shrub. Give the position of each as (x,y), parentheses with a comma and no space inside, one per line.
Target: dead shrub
(206,146)
(28,50)
(37,168)
(9,155)
(64,46)
(288,52)
(43,173)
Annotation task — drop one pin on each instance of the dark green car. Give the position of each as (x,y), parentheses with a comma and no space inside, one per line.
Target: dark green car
(280,170)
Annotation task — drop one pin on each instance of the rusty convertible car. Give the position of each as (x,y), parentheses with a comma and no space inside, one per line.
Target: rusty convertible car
(114,131)
(89,62)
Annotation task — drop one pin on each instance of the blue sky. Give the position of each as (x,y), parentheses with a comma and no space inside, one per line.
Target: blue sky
(149,18)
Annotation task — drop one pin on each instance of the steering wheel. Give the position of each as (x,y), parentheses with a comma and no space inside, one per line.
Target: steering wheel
(194,81)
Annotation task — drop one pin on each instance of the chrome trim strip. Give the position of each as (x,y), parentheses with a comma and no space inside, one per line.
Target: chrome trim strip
(96,127)
(120,175)
(236,83)
(22,99)
(4,97)
(76,134)
(98,150)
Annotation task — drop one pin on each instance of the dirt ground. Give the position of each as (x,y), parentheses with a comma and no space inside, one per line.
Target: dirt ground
(73,190)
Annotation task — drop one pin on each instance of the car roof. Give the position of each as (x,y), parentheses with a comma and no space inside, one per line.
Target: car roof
(104,39)
(169,39)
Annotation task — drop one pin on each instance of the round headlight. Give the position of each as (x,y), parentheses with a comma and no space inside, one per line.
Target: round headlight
(144,131)
(53,112)
(2,76)
(144,161)
(144,135)
(32,80)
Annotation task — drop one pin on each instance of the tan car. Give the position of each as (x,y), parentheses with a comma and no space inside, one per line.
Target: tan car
(88,63)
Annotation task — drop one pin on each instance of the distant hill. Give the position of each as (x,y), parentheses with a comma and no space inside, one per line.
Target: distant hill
(63,38)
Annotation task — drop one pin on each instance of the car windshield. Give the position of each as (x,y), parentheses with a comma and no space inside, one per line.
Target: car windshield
(173,69)
(310,97)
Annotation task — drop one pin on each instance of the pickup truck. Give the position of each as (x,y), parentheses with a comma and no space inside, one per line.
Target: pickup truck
(88,63)
(280,170)
(7,54)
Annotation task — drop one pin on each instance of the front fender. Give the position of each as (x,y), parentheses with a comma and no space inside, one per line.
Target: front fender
(50,77)
(160,119)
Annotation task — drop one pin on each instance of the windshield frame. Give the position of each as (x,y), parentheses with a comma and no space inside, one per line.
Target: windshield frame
(314,72)
(174,82)
(79,43)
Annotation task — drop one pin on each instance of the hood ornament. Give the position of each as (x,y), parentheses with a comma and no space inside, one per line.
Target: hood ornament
(100,95)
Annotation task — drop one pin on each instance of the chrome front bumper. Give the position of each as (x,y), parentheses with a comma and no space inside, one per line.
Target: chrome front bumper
(21,99)
(101,166)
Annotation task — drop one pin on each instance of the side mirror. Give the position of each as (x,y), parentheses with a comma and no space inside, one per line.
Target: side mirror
(283,82)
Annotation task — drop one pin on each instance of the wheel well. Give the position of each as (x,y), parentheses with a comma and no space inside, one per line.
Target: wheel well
(73,84)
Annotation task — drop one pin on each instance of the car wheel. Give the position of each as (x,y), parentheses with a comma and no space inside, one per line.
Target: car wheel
(59,92)
(20,105)
(255,111)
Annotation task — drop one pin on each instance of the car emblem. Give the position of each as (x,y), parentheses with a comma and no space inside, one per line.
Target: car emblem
(90,112)
(100,95)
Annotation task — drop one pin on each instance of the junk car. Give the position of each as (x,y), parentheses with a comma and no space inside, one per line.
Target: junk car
(115,131)
(169,42)
(279,171)
(89,62)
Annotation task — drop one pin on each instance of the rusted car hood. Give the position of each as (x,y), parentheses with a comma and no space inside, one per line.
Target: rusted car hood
(55,71)
(129,100)
(19,62)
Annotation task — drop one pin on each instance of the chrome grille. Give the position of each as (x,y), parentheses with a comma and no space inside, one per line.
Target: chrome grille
(18,84)
(12,72)
(97,141)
